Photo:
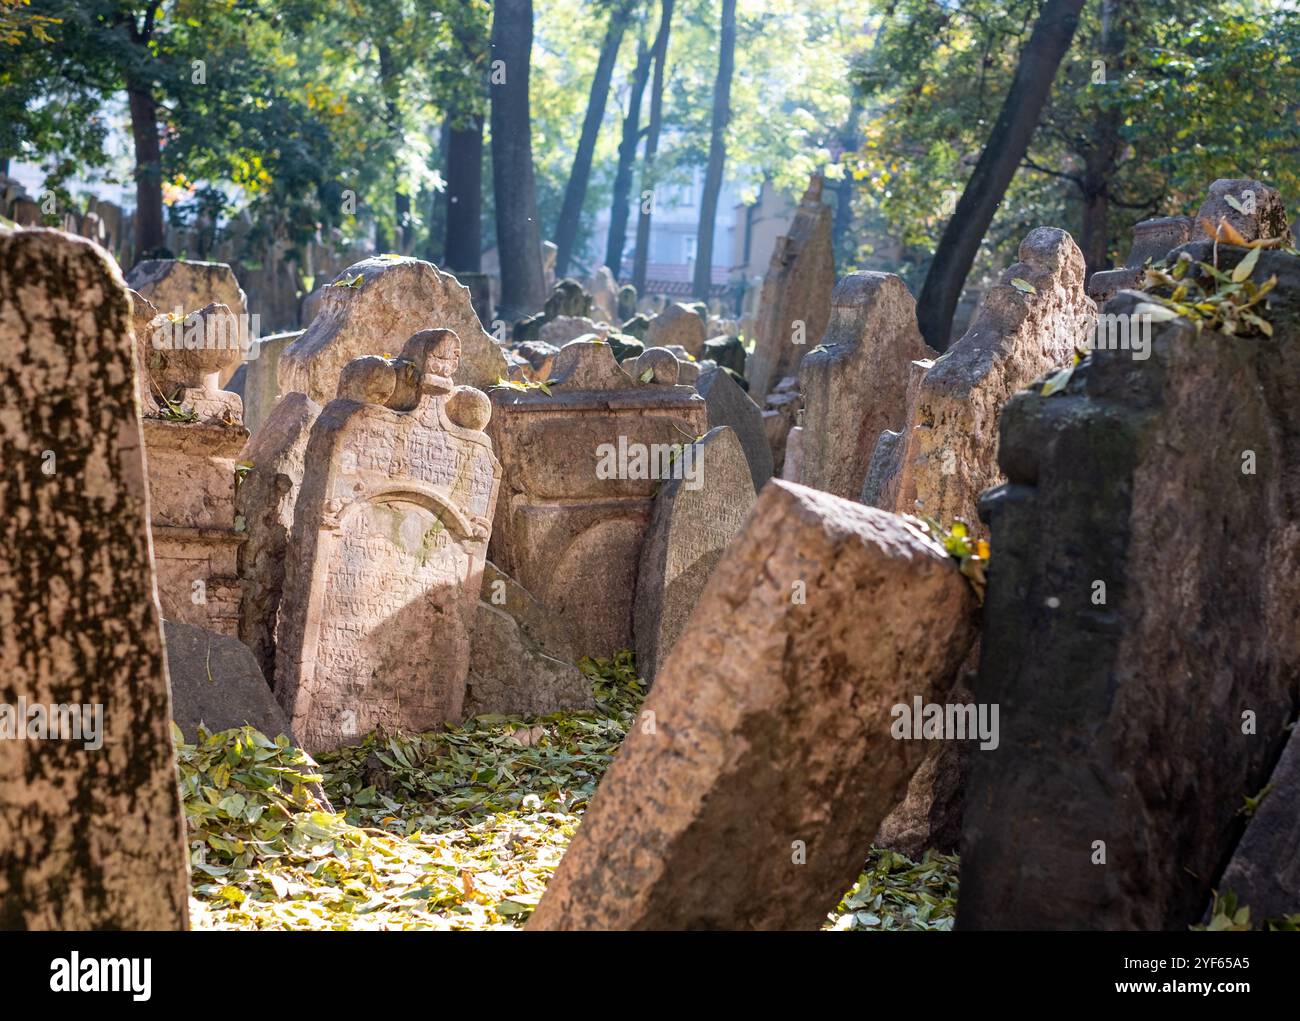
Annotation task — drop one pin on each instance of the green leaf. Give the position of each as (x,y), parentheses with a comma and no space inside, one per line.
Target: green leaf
(1246,266)
(1023,286)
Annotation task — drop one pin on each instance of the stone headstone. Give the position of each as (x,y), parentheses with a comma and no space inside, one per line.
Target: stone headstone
(780,414)
(1252,208)
(693,520)
(562,329)
(216,682)
(731,406)
(1264,872)
(626,307)
(389,538)
(1153,240)
(728,352)
(604,295)
(678,324)
(637,326)
(1140,624)
(91,831)
(792,470)
(795,304)
(1028,323)
(272,462)
(179,287)
(771,760)
(567,298)
(854,384)
(369,308)
(262,377)
(581,467)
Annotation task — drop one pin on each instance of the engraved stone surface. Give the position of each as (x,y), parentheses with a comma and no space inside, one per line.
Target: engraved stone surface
(1028,323)
(370,308)
(772,726)
(796,290)
(90,837)
(854,383)
(692,522)
(579,483)
(389,538)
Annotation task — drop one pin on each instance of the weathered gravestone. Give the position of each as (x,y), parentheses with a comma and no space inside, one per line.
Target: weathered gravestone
(272,464)
(369,308)
(764,759)
(193,434)
(795,304)
(389,538)
(262,377)
(626,307)
(604,295)
(730,406)
(693,520)
(1152,240)
(216,682)
(562,329)
(780,414)
(1252,208)
(1029,322)
(581,466)
(91,832)
(178,287)
(678,324)
(1140,629)
(567,298)
(1264,872)
(854,383)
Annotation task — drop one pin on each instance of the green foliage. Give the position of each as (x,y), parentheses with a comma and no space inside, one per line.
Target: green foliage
(1226,302)
(895,892)
(1227,915)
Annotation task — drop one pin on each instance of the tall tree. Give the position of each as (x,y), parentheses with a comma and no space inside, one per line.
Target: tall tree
(463,144)
(660,53)
(566,228)
(519,242)
(616,240)
(1006,147)
(143,105)
(717,152)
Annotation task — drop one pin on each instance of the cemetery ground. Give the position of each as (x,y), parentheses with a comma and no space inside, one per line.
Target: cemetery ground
(459,829)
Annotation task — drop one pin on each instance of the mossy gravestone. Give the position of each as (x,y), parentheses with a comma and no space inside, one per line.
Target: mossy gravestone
(91,833)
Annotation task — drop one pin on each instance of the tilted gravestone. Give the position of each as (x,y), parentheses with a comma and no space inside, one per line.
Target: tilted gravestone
(369,308)
(389,538)
(193,433)
(581,466)
(764,758)
(262,377)
(693,520)
(272,465)
(1140,629)
(91,831)
(795,304)
(729,405)
(854,383)
(1029,322)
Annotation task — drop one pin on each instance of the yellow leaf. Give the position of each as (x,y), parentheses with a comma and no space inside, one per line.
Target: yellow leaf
(1246,266)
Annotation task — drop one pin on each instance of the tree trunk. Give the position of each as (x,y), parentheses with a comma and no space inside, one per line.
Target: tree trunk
(519,240)
(566,229)
(464,248)
(642,252)
(148,169)
(616,241)
(717,153)
(1103,153)
(1006,147)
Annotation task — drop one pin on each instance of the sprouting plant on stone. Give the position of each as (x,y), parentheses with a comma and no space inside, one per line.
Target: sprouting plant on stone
(242,468)
(524,386)
(355,281)
(971,555)
(173,411)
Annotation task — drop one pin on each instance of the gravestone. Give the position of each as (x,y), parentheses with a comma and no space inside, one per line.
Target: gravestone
(604,295)
(626,304)
(368,307)
(567,298)
(1140,630)
(728,352)
(91,831)
(730,406)
(692,522)
(273,463)
(795,305)
(678,324)
(193,435)
(262,377)
(780,414)
(792,470)
(854,383)
(580,470)
(1252,208)
(562,329)
(1264,872)
(178,287)
(216,682)
(1029,322)
(764,756)
(389,536)
(1153,240)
